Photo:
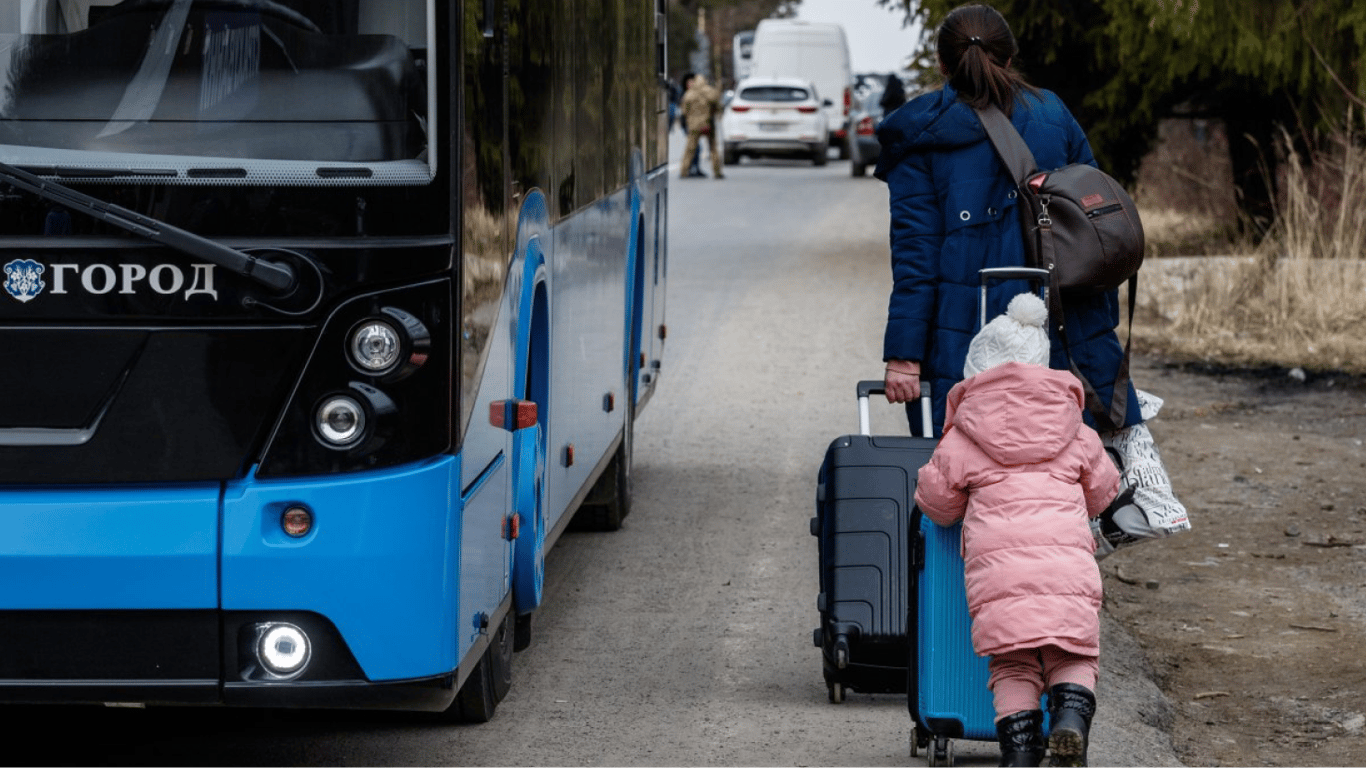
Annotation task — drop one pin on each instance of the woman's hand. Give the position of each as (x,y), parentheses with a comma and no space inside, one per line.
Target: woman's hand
(902,381)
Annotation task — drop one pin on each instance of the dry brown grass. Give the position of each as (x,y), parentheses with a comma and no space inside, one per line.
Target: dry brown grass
(1299,301)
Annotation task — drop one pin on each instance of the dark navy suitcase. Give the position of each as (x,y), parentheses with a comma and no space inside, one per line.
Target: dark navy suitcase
(947,681)
(863,526)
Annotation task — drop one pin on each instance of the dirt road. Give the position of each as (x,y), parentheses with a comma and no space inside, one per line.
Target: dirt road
(1255,621)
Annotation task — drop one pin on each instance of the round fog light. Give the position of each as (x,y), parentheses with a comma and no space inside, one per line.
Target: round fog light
(340,421)
(375,346)
(283,649)
(297,521)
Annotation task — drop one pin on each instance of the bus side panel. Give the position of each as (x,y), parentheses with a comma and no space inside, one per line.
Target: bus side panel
(587,311)
(136,548)
(654,260)
(485,553)
(485,481)
(381,561)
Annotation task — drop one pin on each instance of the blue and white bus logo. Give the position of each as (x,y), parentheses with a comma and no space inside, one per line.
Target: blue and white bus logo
(24,279)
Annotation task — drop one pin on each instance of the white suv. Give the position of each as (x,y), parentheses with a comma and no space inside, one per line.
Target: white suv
(778,116)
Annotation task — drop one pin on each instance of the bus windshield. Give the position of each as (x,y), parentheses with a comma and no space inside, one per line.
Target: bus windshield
(272,92)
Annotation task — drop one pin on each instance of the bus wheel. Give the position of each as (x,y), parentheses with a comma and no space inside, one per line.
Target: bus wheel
(490,682)
(610,500)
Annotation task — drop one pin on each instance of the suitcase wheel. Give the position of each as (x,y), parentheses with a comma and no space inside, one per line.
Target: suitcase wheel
(836,691)
(920,739)
(942,754)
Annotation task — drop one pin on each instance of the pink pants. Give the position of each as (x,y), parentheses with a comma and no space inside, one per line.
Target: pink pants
(1020,677)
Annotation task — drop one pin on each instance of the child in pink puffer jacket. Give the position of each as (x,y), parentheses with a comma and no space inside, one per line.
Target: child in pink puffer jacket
(1024,474)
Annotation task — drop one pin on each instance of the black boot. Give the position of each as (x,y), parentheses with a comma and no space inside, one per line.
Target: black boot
(1021,737)
(1070,709)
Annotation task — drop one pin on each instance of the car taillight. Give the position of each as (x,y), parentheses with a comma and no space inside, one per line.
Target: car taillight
(737,108)
(865,126)
(848,99)
(807,110)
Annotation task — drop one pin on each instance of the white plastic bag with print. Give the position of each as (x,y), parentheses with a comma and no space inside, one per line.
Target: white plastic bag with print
(1146,507)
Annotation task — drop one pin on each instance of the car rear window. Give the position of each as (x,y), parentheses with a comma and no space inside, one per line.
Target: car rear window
(774,93)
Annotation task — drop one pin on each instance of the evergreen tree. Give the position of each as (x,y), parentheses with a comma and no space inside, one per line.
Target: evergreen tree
(1122,65)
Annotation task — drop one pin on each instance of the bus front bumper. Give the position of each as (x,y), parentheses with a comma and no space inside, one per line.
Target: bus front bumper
(174,657)
(168,595)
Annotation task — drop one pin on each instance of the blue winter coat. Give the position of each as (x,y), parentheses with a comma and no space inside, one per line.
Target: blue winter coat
(953,213)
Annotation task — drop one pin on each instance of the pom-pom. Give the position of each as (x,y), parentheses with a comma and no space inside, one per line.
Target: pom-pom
(1028,310)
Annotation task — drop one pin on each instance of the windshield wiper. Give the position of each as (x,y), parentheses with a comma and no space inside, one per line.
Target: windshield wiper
(80,172)
(274,275)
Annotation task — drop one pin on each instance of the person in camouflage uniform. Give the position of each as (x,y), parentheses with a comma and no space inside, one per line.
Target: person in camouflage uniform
(701,104)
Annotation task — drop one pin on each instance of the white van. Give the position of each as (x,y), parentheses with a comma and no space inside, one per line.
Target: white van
(742,51)
(814,51)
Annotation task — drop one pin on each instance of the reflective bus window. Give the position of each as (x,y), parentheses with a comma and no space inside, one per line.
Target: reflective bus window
(310,92)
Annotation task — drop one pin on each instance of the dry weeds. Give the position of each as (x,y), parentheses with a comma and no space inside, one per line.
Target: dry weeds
(1300,300)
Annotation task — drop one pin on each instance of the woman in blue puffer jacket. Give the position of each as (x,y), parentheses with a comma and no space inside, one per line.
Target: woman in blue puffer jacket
(953,213)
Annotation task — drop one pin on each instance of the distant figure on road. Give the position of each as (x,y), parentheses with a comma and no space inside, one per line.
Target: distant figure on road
(893,95)
(700,106)
(1024,475)
(694,168)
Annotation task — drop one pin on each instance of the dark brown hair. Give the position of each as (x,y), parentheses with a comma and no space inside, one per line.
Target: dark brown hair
(976,48)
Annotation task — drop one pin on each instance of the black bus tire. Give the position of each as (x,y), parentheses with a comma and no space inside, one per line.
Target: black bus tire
(490,681)
(609,502)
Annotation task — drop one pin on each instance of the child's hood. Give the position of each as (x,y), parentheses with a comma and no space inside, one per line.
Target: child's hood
(1018,413)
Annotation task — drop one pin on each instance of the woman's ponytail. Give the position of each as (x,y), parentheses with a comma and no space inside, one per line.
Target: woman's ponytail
(976,48)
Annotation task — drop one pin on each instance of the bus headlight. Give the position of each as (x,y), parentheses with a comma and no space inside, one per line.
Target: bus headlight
(375,347)
(340,421)
(282,649)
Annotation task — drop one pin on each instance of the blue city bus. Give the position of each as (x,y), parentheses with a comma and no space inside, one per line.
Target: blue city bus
(324,320)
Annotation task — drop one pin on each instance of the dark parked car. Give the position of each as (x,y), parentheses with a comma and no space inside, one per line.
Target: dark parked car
(864,116)
(874,96)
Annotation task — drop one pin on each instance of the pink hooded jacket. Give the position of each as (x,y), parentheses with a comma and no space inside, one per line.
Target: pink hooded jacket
(1020,469)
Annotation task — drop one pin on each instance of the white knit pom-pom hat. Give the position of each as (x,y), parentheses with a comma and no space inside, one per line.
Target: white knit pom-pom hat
(1017,336)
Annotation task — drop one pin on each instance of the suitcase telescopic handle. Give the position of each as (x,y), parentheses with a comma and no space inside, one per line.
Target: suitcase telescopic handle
(866,388)
(997,274)
(1013,273)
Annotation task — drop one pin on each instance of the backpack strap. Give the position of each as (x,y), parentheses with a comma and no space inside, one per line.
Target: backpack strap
(1008,143)
(1107,419)
(1019,162)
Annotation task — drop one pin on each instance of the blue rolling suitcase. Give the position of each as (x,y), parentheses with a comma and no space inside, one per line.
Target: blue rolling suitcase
(863,526)
(946,680)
